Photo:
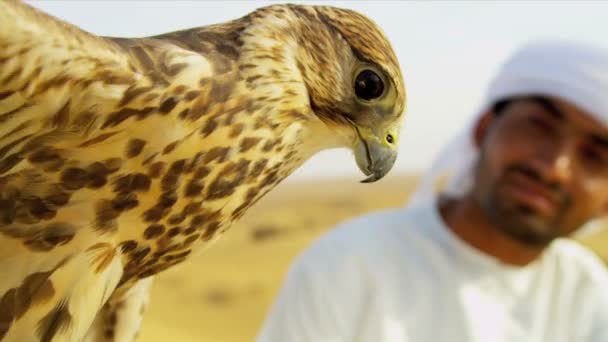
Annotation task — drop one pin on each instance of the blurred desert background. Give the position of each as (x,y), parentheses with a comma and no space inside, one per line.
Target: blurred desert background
(223,294)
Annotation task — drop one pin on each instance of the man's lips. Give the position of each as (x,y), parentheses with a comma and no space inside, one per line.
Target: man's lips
(532,192)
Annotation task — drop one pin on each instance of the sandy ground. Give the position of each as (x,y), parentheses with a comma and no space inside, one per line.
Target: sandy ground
(223,293)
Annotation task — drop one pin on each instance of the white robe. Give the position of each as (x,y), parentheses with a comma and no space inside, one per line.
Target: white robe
(402,275)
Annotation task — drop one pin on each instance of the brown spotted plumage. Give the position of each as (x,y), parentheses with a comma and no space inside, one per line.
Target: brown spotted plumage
(119,158)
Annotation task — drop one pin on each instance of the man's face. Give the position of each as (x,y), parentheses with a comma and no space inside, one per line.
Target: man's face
(543,169)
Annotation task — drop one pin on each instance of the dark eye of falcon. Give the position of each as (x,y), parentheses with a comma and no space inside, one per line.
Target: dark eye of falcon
(368,85)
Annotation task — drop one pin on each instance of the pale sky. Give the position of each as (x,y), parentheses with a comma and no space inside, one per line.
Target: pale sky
(447,50)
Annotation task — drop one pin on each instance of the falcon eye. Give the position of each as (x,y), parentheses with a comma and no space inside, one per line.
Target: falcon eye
(368,85)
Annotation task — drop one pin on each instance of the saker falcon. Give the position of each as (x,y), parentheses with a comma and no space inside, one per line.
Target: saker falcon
(120,157)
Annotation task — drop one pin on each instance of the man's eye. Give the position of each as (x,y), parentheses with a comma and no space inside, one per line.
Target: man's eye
(592,155)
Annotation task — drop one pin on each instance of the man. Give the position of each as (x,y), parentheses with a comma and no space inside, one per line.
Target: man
(483,261)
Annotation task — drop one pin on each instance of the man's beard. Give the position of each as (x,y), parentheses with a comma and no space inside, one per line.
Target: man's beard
(519,221)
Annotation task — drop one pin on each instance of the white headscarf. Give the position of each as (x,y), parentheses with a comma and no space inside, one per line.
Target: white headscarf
(575,72)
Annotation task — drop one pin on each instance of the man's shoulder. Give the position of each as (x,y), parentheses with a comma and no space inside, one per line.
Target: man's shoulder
(573,257)
(375,237)
(376,227)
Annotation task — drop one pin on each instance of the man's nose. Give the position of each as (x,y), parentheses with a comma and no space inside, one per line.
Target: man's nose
(556,163)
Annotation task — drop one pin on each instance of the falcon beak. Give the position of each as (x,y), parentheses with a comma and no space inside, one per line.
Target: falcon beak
(374,155)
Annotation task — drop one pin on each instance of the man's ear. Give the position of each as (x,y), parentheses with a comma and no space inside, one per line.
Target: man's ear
(482,127)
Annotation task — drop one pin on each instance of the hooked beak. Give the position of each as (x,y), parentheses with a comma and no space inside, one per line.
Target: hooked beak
(374,158)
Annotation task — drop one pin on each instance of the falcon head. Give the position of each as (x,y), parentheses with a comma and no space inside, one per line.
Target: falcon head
(354,83)
(331,62)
